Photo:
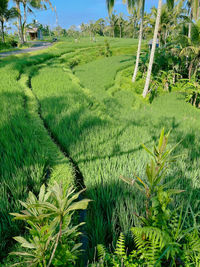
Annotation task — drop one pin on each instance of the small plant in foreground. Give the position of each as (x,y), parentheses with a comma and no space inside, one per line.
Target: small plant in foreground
(52,238)
(166,236)
(155,190)
(120,256)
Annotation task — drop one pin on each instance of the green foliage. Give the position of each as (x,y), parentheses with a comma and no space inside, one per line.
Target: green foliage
(120,247)
(94,124)
(164,237)
(119,258)
(108,52)
(52,237)
(99,118)
(157,198)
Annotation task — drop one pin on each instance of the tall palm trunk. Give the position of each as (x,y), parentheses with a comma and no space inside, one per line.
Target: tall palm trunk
(20,29)
(25,19)
(146,88)
(2,31)
(120,30)
(139,43)
(190,26)
(189,31)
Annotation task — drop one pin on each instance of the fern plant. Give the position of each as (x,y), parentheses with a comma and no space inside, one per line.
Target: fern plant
(167,236)
(120,257)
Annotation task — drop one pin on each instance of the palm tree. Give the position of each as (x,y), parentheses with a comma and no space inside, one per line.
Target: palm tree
(142,3)
(20,26)
(193,8)
(131,4)
(29,5)
(120,24)
(170,4)
(5,15)
(113,20)
(132,25)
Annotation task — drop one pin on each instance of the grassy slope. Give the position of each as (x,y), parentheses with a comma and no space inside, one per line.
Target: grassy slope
(28,155)
(103,134)
(101,130)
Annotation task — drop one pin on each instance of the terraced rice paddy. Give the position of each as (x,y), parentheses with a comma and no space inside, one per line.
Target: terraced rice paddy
(73,99)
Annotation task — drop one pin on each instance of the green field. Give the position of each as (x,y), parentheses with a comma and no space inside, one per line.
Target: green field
(71,101)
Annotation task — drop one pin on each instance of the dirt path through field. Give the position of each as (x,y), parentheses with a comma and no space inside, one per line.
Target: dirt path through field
(37,46)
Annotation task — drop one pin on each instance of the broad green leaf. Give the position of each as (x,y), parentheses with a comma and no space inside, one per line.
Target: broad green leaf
(24,242)
(42,192)
(145,148)
(80,205)
(22,254)
(174,191)
(161,139)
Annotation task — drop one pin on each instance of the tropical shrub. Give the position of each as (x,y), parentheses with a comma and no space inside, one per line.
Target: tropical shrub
(52,240)
(167,235)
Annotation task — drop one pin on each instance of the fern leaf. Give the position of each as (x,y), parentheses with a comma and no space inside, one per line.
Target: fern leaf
(101,252)
(120,246)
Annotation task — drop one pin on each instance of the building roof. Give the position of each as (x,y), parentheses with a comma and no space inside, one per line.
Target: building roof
(151,42)
(33,30)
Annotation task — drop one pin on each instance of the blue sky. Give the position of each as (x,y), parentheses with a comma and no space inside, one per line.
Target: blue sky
(74,12)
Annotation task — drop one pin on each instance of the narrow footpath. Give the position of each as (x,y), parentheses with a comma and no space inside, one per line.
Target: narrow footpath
(37,46)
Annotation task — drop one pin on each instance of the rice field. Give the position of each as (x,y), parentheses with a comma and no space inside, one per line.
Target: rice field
(85,101)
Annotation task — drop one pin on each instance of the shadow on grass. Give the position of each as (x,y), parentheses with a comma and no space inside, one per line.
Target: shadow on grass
(114,203)
(24,163)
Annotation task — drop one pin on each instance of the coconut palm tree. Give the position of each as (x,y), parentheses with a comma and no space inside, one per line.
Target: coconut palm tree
(113,20)
(29,5)
(170,4)
(5,15)
(19,23)
(142,6)
(132,24)
(130,5)
(193,10)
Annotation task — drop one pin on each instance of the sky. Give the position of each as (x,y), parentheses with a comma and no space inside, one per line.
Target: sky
(74,12)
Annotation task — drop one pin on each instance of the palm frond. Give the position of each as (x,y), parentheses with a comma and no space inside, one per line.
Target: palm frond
(110,5)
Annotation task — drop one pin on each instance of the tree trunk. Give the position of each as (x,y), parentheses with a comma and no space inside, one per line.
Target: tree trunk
(2,30)
(20,22)
(139,45)
(190,70)
(120,28)
(146,88)
(166,35)
(195,99)
(190,26)
(25,19)
(189,30)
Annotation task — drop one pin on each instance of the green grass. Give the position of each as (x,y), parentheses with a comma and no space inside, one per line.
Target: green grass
(28,155)
(103,133)
(98,117)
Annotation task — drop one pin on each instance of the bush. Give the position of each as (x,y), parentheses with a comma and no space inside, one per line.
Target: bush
(52,238)
(166,236)
(11,41)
